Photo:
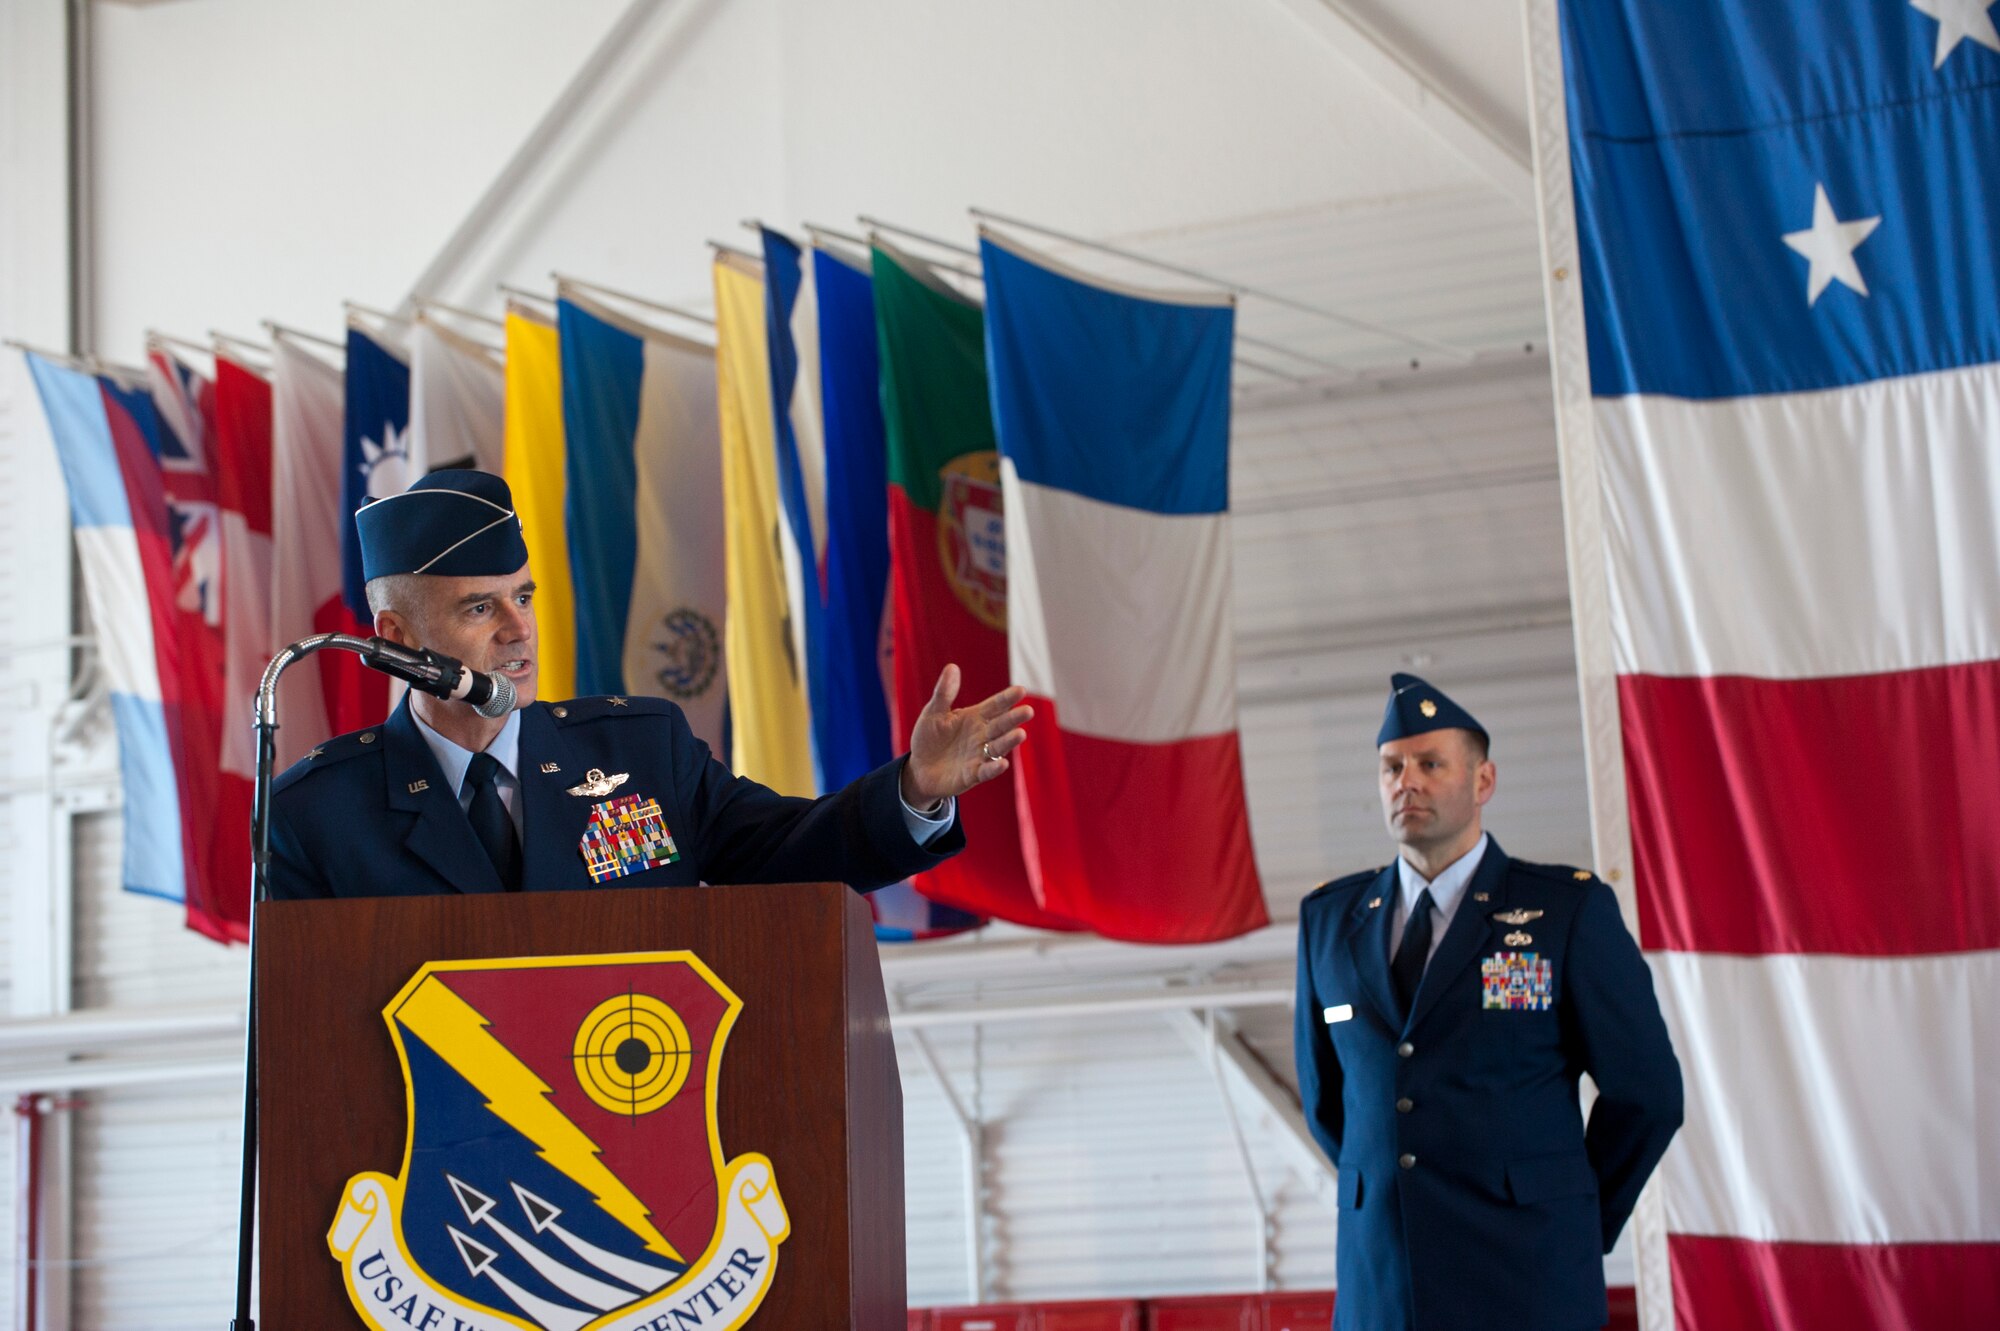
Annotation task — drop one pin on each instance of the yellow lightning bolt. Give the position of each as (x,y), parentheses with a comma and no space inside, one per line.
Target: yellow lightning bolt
(452,1027)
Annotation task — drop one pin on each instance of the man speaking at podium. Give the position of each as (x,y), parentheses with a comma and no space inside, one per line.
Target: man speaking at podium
(591,792)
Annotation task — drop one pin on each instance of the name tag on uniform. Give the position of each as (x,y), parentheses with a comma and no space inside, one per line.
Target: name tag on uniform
(1339,1012)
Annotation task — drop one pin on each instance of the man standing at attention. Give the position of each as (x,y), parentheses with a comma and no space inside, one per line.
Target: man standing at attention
(1447,1006)
(589,792)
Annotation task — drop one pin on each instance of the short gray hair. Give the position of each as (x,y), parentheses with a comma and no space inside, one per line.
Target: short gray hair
(400,592)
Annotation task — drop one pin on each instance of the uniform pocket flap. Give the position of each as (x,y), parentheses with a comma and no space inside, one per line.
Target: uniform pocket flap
(1541,1177)
(1350,1188)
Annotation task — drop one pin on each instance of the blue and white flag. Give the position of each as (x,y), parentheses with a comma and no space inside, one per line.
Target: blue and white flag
(376,459)
(792,328)
(1787,228)
(644,512)
(128,585)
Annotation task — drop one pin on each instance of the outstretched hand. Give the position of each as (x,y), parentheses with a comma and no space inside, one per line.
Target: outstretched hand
(953,750)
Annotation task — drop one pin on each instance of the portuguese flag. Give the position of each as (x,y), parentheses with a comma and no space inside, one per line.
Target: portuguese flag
(947,555)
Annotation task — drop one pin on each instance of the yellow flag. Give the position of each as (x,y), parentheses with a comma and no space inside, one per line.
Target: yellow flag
(532,463)
(767,695)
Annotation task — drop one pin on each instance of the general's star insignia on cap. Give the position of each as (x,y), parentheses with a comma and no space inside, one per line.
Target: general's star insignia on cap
(1517,916)
(595,783)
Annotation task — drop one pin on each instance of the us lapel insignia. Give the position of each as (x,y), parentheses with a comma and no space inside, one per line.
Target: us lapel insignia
(419,787)
(596,784)
(1519,939)
(1516,916)
(551,767)
(1482,896)
(1376,904)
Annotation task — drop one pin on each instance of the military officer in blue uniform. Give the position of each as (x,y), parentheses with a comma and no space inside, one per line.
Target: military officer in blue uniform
(1447,1006)
(613,791)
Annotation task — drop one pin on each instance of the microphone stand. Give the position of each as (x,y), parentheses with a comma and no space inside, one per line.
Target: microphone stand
(260,860)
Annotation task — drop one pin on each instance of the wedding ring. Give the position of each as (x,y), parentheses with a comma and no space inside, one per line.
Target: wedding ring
(987,749)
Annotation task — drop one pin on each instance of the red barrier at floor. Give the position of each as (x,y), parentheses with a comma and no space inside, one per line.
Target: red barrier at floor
(991,1317)
(1206,1312)
(1088,1315)
(920,1320)
(1301,1311)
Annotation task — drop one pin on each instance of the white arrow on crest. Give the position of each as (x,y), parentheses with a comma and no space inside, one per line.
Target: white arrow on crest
(479,1260)
(542,1219)
(478,1208)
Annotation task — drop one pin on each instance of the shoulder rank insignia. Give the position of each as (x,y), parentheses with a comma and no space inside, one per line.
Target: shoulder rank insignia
(1516,916)
(595,783)
(1582,875)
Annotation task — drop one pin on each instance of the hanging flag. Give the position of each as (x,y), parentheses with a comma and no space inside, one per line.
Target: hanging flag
(533,465)
(791,329)
(127,568)
(458,390)
(243,494)
(184,407)
(1112,412)
(328,693)
(770,726)
(1785,215)
(853,723)
(376,458)
(645,510)
(948,556)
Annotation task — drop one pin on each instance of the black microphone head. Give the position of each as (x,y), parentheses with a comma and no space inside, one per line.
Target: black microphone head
(501,701)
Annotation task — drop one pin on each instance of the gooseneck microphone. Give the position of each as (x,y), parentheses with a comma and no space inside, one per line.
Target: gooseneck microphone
(442,676)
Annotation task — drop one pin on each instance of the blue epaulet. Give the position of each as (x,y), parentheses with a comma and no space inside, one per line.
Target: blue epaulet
(611,706)
(330,753)
(1343,884)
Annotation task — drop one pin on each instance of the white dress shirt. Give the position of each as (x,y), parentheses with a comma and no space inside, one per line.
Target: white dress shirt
(452,760)
(1447,891)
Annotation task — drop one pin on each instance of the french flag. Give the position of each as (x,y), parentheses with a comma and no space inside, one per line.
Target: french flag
(120,519)
(1787,223)
(1112,410)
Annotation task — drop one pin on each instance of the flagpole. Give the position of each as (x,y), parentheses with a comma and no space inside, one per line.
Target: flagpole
(277,330)
(370,312)
(908,234)
(522,293)
(678,311)
(460,312)
(168,339)
(1259,293)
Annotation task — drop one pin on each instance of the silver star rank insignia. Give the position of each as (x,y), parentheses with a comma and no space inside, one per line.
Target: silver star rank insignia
(618,702)
(314,753)
(596,784)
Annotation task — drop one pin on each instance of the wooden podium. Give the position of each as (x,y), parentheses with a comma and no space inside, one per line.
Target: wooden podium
(808,1075)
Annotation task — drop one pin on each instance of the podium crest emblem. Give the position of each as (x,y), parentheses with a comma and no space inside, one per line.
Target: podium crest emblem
(563,1168)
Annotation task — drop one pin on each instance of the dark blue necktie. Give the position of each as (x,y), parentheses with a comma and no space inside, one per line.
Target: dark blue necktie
(1408,967)
(491,823)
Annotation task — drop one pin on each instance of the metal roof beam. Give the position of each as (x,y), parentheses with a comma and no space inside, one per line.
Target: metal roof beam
(1398,75)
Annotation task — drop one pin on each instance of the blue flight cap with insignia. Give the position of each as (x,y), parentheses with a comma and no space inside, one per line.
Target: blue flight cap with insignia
(1417,708)
(456,524)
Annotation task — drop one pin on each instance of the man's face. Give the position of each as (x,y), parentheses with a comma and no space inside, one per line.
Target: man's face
(486,622)
(1433,787)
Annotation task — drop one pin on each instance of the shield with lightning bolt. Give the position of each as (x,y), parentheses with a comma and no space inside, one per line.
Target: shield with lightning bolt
(563,1170)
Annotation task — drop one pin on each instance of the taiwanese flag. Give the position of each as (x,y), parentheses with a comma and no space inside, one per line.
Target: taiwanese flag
(184,403)
(948,555)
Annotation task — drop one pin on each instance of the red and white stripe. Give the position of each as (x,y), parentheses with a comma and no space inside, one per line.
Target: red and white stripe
(1805,605)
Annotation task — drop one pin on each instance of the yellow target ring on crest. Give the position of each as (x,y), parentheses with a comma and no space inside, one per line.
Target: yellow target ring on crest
(632,1054)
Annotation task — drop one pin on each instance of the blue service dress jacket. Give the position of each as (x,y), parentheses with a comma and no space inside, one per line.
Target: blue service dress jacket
(1471,1192)
(370,814)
